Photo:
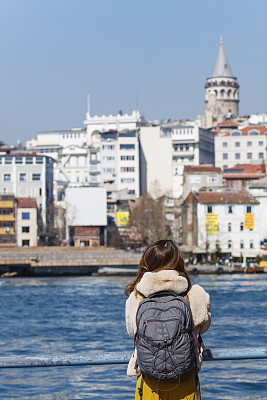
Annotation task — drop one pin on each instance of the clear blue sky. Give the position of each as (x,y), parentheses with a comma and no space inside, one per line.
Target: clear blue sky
(54,52)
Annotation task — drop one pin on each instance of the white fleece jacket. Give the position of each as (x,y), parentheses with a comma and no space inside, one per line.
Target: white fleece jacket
(153,282)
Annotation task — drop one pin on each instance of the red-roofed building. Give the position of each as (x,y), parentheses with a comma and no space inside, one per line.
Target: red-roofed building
(27,228)
(228,220)
(238,176)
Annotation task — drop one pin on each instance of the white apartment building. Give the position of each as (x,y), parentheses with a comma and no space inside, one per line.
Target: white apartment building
(166,149)
(29,175)
(128,162)
(229,220)
(120,161)
(240,145)
(258,189)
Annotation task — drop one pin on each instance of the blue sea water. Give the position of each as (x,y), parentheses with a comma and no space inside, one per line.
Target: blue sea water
(74,315)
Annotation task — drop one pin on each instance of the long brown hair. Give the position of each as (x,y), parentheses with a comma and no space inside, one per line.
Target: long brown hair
(159,255)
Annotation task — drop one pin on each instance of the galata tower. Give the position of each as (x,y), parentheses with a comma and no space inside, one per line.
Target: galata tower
(221,92)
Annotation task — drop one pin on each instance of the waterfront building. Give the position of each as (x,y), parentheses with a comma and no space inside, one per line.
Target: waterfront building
(7,220)
(26,222)
(239,144)
(221,93)
(201,176)
(258,189)
(239,176)
(27,174)
(166,149)
(227,220)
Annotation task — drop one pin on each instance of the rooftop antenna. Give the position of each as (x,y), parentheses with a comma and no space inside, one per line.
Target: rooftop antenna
(88,104)
(136,102)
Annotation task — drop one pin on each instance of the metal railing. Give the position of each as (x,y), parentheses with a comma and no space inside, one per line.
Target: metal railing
(64,360)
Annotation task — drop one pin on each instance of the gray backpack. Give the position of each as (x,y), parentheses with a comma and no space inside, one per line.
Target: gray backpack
(164,337)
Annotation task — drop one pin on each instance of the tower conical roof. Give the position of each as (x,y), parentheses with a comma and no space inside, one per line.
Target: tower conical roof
(221,66)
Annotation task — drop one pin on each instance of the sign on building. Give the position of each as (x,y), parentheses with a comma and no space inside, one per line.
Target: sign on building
(212,224)
(122,218)
(249,221)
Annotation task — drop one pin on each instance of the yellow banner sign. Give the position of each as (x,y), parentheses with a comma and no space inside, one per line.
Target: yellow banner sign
(122,218)
(212,224)
(249,221)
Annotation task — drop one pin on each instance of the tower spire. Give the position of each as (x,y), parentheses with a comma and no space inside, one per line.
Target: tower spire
(221,67)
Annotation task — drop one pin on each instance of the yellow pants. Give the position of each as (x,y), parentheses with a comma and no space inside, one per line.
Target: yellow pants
(186,390)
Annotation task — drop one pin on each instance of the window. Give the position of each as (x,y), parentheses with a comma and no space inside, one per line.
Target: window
(260,143)
(209,209)
(237,144)
(127,180)
(8,160)
(224,167)
(261,155)
(36,177)
(109,170)
(108,146)
(249,144)
(254,133)
(127,169)
(127,158)
(109,158)
(40,191)
(249,156)
(25,242)
(230,209)
(22,177)
(127,146)
(0,160)
(225,156)
(25,215)
(29,160)
(241,244)
(229,227)
(7,177)
(18,160)
(225,144)
(212,179)
(241,226)
(229,244)
(236,133)
(39,160)
(249,209)
(251,244)
(194,178)
(237,156)
(131,191)
(25,229)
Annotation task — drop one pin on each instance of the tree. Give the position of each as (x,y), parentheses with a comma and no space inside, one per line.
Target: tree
(147,214)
